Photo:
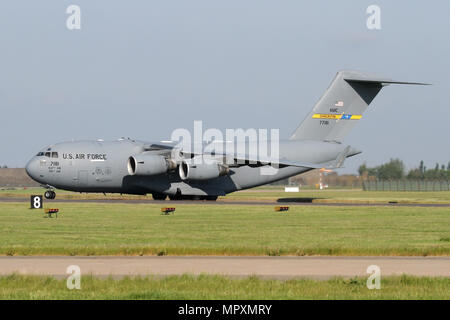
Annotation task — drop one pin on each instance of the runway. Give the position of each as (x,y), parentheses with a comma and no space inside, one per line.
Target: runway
(287,201)
(265,267)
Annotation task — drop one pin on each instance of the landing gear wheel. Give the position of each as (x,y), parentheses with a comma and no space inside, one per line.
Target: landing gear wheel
(176,196)
(211,198)
(159,196)
(49,194)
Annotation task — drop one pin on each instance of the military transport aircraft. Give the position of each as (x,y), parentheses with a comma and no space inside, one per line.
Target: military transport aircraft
(174,170)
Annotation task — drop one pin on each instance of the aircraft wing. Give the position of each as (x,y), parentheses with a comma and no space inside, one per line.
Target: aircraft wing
(163,145)
(257,161)
(261,161)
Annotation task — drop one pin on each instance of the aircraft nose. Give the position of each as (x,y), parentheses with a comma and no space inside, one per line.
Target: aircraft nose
(32,168)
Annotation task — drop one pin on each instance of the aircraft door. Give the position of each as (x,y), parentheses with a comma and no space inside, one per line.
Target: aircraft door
(82,178)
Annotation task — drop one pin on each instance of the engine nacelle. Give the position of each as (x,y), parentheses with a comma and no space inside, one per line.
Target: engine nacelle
(148,165)
(189,170)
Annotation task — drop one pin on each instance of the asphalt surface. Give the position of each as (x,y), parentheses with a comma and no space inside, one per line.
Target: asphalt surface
(265,267)
(287,201)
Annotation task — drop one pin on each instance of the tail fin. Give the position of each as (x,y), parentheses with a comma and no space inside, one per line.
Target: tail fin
(343,103)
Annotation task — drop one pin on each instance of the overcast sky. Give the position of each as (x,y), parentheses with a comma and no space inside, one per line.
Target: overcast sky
(143,68)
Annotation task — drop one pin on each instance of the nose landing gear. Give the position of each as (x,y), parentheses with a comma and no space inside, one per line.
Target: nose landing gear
(49,194)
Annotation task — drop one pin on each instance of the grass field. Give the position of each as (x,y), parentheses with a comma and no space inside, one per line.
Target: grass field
(140,229)
(271,194)
(218,287)
(204,229)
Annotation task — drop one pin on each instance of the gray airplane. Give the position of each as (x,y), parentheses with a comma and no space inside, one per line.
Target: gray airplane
(169,169)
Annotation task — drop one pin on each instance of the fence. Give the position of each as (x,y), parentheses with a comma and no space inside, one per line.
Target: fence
(406,185)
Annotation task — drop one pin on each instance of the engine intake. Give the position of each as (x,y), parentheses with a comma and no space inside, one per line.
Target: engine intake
(189,170)
(148,165)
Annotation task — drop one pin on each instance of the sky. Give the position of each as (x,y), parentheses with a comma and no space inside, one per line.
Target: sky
(141,69)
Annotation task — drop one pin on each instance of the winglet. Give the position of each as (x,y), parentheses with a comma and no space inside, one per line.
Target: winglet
(344,154)
(341,157)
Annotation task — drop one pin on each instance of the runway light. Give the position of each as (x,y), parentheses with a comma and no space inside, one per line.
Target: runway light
(51,211)
(281,209)
(167,210)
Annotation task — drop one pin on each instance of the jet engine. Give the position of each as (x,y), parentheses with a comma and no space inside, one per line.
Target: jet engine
(189,170)
(149,165)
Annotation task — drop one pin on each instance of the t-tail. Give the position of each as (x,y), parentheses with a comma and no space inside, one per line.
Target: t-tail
(341,106)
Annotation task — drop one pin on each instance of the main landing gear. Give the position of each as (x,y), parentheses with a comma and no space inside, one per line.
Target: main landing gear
(159,196)
(49,194)
(179,196)
(187,197)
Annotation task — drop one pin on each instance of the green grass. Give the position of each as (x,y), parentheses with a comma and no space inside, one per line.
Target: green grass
(202,229)
(271,194)
(219,287)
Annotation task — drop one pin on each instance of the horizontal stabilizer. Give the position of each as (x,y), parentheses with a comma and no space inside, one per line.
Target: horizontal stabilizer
(382,81)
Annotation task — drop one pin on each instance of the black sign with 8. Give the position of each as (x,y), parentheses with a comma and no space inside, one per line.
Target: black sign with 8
(36,202)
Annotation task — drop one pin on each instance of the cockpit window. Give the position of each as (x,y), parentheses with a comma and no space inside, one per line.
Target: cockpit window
(54,154)
(47,154)
(40,154)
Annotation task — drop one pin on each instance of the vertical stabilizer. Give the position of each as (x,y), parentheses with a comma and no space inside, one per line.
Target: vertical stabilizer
(341,106)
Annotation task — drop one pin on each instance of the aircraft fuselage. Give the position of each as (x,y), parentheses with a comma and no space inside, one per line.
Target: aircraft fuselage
(101,166)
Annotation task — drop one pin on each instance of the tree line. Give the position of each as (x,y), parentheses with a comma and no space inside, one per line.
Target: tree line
(395,169)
